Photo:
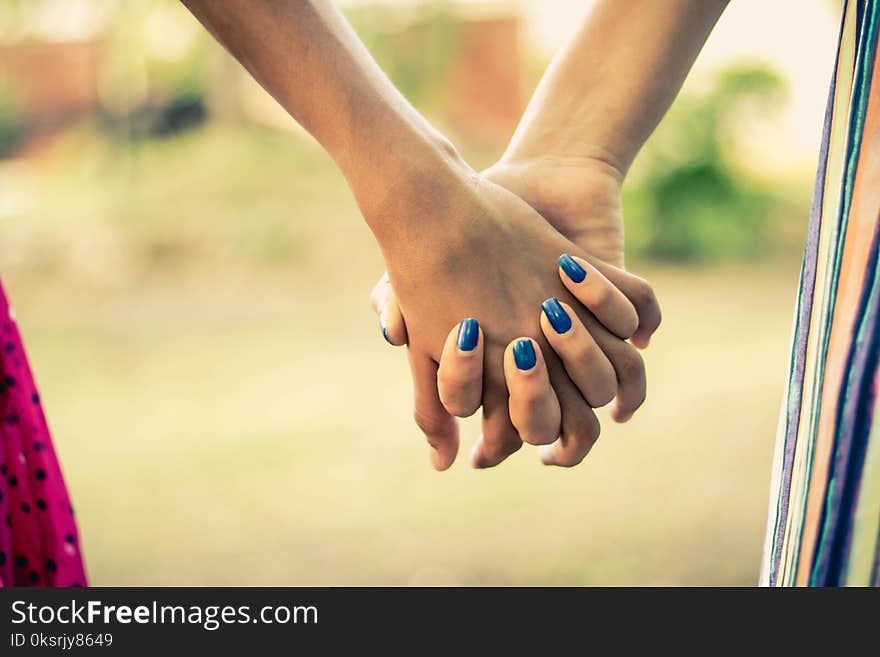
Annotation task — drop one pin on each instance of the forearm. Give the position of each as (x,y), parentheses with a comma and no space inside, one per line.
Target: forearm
(307,56)
(610,85)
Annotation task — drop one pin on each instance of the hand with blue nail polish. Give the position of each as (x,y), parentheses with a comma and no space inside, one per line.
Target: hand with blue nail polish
(459,244)
(581,197)
(582,200)
(491,260)
(524,355)
(495,268)
(556,315)
(591,349)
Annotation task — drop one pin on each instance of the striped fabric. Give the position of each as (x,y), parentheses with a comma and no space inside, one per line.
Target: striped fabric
(824,520)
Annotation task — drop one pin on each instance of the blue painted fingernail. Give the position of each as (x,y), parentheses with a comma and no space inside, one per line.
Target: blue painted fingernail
(572,269)
(385,333)
(559,319)
(468,334)
(524,354)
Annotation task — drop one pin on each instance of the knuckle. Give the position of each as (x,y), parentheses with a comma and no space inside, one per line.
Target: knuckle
(643,297)
(503,447)
(629,364)
(604,393)
(529,398)
(582,430)
(431,423)
(601,295)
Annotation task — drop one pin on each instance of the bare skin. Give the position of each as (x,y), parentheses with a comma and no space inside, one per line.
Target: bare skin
(595,106)
(477,256)
(455,243)
(599,356)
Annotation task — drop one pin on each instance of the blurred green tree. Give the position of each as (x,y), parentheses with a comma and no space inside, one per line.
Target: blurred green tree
(689,200)
(11,120)
(414,46)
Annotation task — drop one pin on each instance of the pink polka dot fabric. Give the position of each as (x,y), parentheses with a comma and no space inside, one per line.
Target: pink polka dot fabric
(39,543)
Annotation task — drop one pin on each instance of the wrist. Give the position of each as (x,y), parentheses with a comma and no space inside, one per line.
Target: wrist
(406,190)
(579,195)
(557,147)
(553,183)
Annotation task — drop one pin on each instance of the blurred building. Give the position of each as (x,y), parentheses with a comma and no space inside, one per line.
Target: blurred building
(63,61)
(55,82)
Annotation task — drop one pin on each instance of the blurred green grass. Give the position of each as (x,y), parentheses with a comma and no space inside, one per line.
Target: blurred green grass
(256,430)
(231,416)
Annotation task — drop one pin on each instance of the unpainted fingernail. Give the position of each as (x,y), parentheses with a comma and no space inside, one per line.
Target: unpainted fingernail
(559,319)
(546,455)
(621,416)
(524,354)
(472,457)
(572,268)
(468,334)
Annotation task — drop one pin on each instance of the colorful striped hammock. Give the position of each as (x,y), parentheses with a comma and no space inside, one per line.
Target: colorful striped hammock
(824,523)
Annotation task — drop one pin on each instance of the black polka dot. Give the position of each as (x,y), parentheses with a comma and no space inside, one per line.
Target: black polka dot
(35,398)
(70,538)
(8,520)
(2,469)
(34,577)
(9,380)
(12,418)
(13,481)
(25,507)
(2,558)
(21,561)
(39,446)
(40,474)
(1,495)
(2,387)
(51,566)
(9,347)
(41,505)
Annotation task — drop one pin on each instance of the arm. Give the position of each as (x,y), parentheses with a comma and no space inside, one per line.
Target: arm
(609,86)
(308,57)
(456,245)
(599,100)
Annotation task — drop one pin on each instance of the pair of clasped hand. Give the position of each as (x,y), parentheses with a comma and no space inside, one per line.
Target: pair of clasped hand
(550,318)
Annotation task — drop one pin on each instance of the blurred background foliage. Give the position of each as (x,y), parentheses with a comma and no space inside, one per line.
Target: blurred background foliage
(11,120)
(165,231)
(151,73)
(692,200)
